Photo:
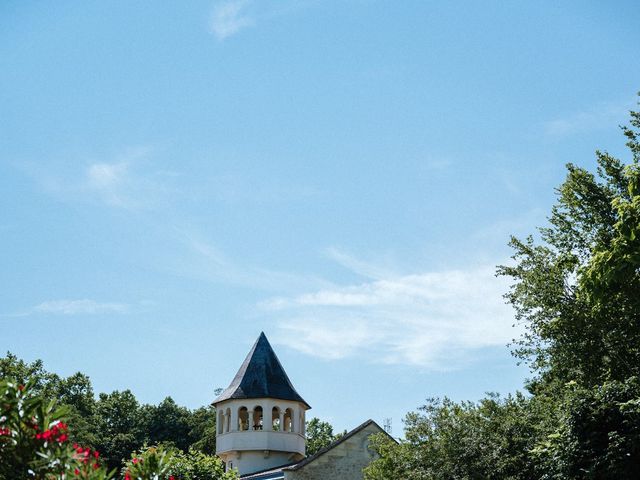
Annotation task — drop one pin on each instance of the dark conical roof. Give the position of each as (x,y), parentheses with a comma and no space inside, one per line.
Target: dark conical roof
(261,375)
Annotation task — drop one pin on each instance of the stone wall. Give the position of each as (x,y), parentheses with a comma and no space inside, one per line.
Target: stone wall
(345,461)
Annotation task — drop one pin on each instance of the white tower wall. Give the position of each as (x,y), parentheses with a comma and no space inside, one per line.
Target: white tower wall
(273,435)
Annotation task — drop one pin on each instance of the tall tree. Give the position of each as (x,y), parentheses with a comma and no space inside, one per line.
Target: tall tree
(487,440)
(577,291)
(118,420)
(167,423)
(319,435)
(203,429)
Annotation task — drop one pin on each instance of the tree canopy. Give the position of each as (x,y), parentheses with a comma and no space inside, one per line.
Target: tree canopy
(576,290)
(116,423)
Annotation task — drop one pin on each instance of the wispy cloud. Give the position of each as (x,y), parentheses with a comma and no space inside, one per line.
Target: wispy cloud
(107,179)
(360,267)
(439,164)
(604,115)
(115,183)
(436,320)
(209,263)
(123,181)
(79,307)
(83,306)
(229,17)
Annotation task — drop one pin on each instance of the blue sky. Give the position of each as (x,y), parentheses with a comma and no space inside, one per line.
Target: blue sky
(344,175)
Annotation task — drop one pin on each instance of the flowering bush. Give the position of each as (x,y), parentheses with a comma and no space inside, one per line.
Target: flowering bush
(195,465)
(159,463)
(34,445)
(151,464)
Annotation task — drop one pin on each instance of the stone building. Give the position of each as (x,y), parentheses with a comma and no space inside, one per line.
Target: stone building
(261,427)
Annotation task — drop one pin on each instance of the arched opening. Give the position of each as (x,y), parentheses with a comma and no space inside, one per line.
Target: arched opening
(227,418)
(275,419)
(220,422)
(302,423)
(257,418)
(288,420)
(243,419)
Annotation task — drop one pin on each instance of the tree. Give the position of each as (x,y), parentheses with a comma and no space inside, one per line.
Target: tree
(75,392)
(42,382)
(319,435)
(597,435)
(445,439)
(195,465)
(166,423)
(166,463)
(203,430)
(118,421)
(577,291)
(34,439)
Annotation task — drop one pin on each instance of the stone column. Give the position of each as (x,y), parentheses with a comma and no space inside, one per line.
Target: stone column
(250,419)
(267,422)
(234,420)
(281,420)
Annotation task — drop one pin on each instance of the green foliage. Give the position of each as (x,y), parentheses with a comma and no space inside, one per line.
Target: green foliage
(35,445)
(598,435)
(196,465)
(41,382)
(23,418)
(167,423)
(152,463)
(319,435)
(445,439)
(118,423)
(75,392)
(115,423)
(34,440)
(202,433)
(167,463)
(577,291)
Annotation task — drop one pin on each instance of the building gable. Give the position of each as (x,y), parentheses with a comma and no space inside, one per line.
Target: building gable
(344,459)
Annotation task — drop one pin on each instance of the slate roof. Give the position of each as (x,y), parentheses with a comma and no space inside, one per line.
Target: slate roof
(276,473)
(261,376)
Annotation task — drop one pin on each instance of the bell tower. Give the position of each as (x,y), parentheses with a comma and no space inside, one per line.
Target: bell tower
(260,416)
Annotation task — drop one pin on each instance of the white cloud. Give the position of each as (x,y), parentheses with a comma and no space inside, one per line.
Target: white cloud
(106,175)
(229,17)
(79,307)
(356,265)
(436,320)
(108,179)
(116,184)
(604,115)
(211,264)
(121,181)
